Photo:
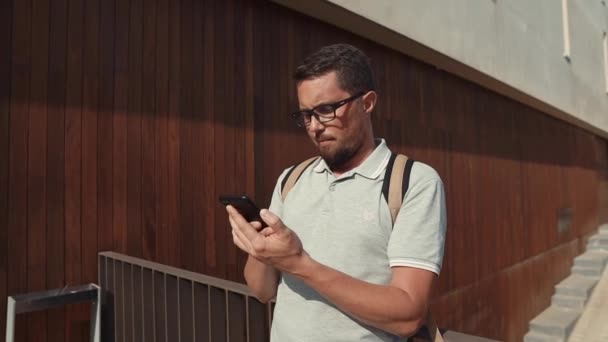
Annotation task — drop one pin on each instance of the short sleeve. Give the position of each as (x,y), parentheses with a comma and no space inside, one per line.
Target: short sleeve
(418,235)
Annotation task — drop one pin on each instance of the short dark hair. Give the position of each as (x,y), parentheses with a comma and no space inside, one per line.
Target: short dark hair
(352,67)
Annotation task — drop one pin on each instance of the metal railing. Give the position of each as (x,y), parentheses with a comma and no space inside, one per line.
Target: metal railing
(44,300)
(152,302)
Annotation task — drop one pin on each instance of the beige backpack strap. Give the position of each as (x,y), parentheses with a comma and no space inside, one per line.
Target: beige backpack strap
(395,195)
(395,199)
(293,175)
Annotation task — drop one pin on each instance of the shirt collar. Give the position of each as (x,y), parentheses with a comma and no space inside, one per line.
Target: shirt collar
(371,168)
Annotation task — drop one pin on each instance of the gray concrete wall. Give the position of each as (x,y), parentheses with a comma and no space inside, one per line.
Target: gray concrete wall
(516,44)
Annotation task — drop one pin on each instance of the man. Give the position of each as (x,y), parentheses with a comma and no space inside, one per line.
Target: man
(339,267)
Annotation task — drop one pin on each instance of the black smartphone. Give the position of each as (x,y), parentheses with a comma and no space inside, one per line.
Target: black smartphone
(244,205)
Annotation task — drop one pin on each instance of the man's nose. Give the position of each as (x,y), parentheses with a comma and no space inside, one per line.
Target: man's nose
(315,125)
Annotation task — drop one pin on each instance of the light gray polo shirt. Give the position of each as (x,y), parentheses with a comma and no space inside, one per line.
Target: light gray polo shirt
(345,223)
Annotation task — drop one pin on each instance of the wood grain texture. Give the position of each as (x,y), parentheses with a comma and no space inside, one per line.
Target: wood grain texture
(134,132)
(198,130)
(6,15)
(17,241)
(187,154)
(56,242)
(122,121)
(90,114)
(105,158)
(165,252)
(148,144)
(37,168)
(73,161)
(119,126)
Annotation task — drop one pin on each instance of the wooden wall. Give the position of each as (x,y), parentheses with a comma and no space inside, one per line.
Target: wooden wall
(122,121)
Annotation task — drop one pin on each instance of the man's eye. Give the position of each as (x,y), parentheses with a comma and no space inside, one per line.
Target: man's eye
(324,110)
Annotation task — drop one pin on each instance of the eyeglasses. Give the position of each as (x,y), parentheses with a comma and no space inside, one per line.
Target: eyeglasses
(323,112)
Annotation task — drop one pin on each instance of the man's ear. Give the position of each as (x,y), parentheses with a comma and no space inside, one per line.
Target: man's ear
(369,101)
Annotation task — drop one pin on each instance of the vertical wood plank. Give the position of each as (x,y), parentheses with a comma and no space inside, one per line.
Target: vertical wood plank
(149,164)
(463,196)
(186,148)
(209,192)
(119,128)
(18,149)
(173,135)
(134,119)
(55,242)
(223,148)
(248,118)
(90,112)
(37,158)
(266,74)
(200,198)
(248,97)
(166,251)
(73,160)
(105,236)
(237,91)
(6,22)
(259,64)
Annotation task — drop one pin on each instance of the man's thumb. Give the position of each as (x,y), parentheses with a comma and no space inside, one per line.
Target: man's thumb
(271,219)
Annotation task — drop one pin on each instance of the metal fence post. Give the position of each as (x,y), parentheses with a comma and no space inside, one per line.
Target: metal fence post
(37,301)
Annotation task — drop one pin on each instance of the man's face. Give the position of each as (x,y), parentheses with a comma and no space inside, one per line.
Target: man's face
(340,139)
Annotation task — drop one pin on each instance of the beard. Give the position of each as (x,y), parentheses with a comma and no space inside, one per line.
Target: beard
(337,158)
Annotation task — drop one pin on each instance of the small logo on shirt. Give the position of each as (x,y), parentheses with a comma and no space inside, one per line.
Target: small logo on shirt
(368,215)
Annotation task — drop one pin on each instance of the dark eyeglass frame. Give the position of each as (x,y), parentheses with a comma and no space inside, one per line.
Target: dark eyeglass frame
(304,117)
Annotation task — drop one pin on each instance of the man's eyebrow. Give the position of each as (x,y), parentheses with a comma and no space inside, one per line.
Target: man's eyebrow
(317,105)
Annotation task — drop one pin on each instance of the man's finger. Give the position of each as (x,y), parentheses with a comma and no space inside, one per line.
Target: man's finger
(267,231)
(257,225)
(231,222)
(237,231)
(241,224)
(237,241)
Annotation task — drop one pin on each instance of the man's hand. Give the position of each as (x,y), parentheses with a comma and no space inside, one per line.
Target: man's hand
(275,245)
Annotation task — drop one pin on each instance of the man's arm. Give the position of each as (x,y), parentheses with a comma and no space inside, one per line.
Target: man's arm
(399,308)
(262,279)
